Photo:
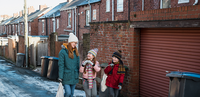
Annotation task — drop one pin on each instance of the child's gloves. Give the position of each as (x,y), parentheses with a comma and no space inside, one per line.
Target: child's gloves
(90,62)
(120,87)
(87,61)
(111,64)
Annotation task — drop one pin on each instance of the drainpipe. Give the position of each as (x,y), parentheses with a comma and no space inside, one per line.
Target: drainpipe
(54,23)
(113,10)
(128,10)
(78,23)
(46,26)
(196,1)
(49,26)
(143,5)
(90,11)
(75,20)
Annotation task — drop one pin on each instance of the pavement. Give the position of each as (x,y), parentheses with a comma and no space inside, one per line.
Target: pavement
(23,82)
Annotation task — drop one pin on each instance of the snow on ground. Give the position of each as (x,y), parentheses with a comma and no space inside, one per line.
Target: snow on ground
(37,81)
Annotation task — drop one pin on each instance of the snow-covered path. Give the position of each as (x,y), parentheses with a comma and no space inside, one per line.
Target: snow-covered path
(19,82)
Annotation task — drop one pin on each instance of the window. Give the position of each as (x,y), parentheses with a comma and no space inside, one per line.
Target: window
(94,14)
(183,1)
(22,28)
(57,23)
(53,20)
(107,5)
(87,17)
(120,5)
(13,28)
(16,28)
(29,28)
(42,26)
(165,4)
(19,29)
(69,19)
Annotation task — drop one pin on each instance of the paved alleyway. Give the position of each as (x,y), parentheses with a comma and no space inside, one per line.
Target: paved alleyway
(20,82)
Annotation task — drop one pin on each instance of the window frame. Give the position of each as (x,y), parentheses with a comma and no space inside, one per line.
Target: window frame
(107,5)
(69,16)
(94,14)
(161,4)
(87,17)
(42,26)
(119,5)
(57,23)
(183,1)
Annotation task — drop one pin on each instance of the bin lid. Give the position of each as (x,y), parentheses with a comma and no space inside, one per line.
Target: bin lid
(20,54)
(53,58)
(183,74)
(45,56)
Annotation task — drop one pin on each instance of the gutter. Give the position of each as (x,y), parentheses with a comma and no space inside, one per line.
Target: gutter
(113,10)
(46,26)
(129,10)
(196,1)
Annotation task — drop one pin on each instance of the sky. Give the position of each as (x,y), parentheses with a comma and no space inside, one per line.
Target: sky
(9,7)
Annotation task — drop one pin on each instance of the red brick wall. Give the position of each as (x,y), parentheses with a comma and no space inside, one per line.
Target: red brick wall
(6,52)
(40,27)
(34,27)
(186,12)
(21,45)
(11,48)
(174,3)
(58,47)
(64,22)
(107,16)
(136,5)
(110,37)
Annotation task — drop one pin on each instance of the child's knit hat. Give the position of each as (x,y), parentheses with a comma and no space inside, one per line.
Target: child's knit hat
(93,52)
(117,54)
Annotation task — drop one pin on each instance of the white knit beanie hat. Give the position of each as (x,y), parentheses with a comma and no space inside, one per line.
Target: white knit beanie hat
(72,38)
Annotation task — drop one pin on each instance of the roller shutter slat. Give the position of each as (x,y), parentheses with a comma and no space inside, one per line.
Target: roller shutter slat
(166,50)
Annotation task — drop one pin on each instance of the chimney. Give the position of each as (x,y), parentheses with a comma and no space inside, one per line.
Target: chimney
(42,7)
(15,14)
(31,9)
(21,13)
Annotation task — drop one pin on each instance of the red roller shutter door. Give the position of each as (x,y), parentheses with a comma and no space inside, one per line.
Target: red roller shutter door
(166,50)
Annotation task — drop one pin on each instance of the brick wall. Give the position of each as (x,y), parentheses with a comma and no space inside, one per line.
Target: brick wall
(178,13)
(6,52)
(136,5)
(110,37)
(40,27)
(58,47)
(34,27)
(107,16)
(64,22)
(21,45)
(11,49)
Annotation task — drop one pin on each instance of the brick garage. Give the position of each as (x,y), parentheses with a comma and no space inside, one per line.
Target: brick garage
(110,37)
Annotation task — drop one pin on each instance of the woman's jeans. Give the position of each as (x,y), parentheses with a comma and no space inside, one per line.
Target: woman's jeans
(69,90)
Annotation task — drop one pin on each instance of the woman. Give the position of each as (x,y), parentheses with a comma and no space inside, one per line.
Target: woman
(69,65)
(89,68)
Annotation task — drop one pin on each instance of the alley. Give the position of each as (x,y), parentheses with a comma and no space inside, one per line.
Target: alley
(20,82)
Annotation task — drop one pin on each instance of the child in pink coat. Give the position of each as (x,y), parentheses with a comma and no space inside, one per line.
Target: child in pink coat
(89,68)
